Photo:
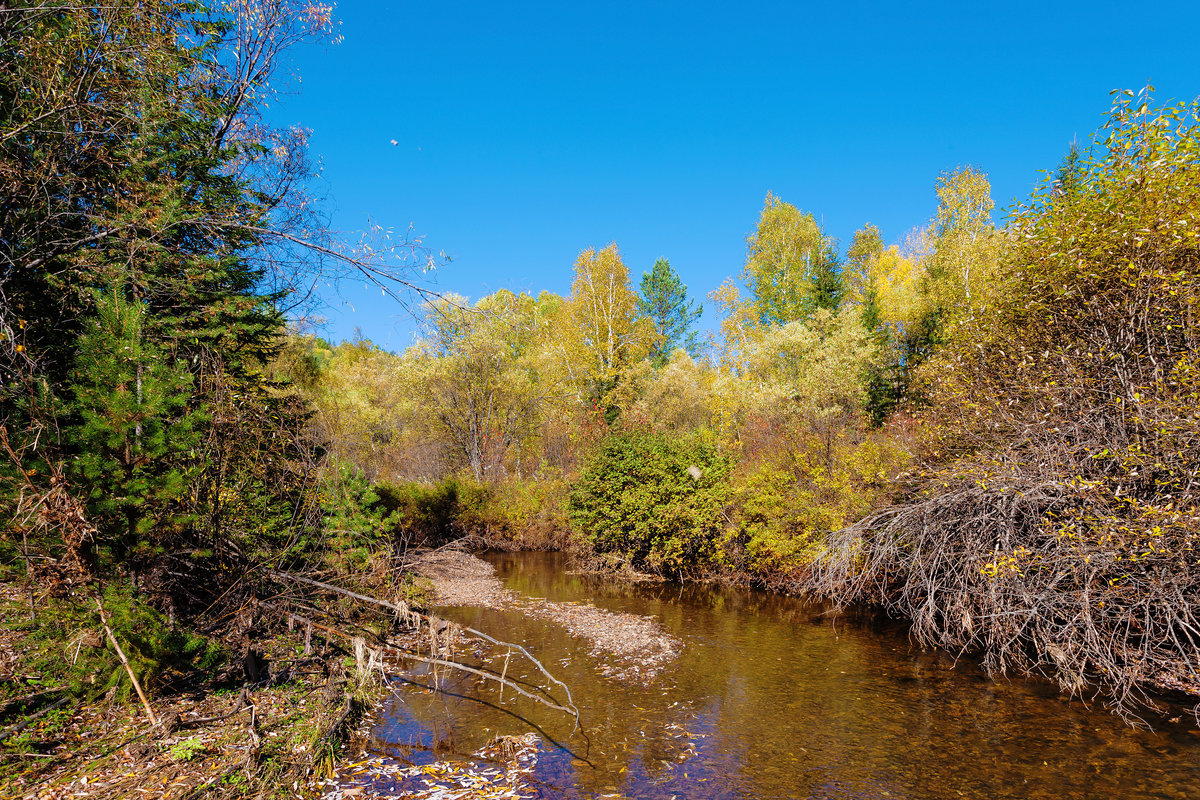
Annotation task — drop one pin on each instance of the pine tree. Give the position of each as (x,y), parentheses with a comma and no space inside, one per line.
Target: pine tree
(663,300)
(132,430)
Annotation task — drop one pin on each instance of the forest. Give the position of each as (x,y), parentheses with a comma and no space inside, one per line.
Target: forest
(988,429)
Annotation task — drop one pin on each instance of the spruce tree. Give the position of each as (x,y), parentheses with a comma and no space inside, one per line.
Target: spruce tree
(827,288)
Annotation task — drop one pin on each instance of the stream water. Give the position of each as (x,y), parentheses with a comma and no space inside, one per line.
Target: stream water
(770,698)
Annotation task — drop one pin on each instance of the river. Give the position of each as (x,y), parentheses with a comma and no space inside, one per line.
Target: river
(771,698)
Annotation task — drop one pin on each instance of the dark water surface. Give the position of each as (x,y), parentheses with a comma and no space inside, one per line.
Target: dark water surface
(771,699)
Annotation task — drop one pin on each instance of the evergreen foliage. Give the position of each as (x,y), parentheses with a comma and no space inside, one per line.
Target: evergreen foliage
(132,430)
(663,300)
(139,193)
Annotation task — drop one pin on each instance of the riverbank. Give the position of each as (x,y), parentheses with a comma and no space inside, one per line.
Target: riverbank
(270,724)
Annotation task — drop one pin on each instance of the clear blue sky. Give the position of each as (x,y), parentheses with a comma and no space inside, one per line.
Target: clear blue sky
(527,132)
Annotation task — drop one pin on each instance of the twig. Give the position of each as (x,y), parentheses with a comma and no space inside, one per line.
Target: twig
(491,676)
(241,704)
(20,701)
(15,729)
(125,662)
(27,755)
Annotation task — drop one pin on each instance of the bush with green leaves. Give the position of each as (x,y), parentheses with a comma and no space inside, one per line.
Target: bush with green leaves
(655,499)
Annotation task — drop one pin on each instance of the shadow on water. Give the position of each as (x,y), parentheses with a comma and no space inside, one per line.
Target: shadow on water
(771,698)
(524,722)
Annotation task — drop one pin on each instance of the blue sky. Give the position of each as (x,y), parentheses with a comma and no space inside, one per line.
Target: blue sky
(527,132)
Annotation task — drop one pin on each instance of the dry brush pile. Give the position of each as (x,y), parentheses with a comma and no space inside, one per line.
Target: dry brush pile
(1056,530)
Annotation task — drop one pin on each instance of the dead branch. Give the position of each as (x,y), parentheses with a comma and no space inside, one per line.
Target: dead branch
(125,662)
(241,704)
(441,662)
(405,611)
(13,730)
(17,702)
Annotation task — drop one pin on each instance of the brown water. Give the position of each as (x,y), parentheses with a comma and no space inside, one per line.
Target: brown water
(772,699)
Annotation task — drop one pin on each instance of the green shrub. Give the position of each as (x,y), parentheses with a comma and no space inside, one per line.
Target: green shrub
(422,513)
(67,644)
(657,500)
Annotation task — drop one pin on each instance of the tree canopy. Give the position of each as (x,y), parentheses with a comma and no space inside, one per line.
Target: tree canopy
(792,266)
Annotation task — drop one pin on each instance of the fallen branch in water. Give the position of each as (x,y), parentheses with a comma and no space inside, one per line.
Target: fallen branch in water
(441,662)
(1035,578)
(406,612)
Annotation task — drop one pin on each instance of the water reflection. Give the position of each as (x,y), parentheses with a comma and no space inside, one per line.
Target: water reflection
(771,698)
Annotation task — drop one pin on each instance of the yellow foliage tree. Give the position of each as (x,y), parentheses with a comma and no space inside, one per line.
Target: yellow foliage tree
(599,335)
(791,265)
(481,376)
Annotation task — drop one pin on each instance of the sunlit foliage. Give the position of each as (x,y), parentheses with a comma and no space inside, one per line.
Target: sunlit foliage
(1056,524)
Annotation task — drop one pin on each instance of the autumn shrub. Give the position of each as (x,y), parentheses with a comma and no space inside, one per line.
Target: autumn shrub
(768,532)
(529,513)
(422,513)
(656,500)
(1056,524)
(785,502)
